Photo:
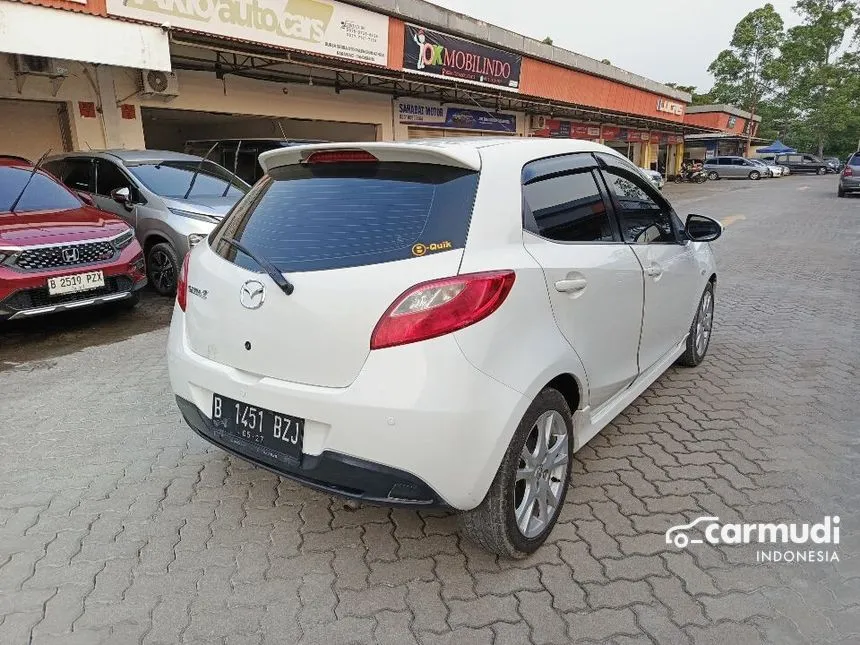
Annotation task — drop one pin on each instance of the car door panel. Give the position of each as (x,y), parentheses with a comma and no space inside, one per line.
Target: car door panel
(596,297)
(671,273)
(594,281)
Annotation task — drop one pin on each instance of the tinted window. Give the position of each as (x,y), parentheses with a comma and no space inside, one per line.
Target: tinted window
(567,208)
(172,179)
(332,216)
(725,161)
(43,193)
(109,178)
(78,174)
(643,220)
(854,160)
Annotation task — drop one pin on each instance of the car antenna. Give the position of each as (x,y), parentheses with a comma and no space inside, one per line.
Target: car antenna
(198,169)
(235,167)
(29,179)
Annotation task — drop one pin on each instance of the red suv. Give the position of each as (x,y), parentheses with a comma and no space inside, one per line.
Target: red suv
(57,251)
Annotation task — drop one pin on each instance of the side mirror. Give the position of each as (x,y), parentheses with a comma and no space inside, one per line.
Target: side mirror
(86,198)
(122,196)
(702,229)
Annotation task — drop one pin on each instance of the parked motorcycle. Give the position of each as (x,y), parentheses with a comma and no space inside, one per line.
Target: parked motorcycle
(695,177)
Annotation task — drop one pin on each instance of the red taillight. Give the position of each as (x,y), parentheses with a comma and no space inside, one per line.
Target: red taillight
(847,172)
(182,284)
(439,307)
(340,156)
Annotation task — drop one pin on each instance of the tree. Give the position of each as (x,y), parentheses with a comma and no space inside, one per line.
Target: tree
(819,71)
(745,72)
(547,41)
(698,99)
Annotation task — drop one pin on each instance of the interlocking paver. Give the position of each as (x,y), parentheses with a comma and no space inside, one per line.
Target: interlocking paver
(117,524)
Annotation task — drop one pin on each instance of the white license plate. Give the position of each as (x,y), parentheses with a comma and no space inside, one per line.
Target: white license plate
(76,283)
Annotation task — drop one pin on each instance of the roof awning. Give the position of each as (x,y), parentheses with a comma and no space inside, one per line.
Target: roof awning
(39,31)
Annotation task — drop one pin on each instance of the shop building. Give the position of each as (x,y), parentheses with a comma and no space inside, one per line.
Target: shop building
(733,132)
(157,74)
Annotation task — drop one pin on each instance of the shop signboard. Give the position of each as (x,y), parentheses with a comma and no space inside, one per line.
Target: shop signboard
(433,115)
(319,26)
(634,136)
(611,133)
(433,53)
(559,129)
(665,138)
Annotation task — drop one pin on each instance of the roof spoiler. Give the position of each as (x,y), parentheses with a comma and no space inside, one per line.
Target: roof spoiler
(430,153)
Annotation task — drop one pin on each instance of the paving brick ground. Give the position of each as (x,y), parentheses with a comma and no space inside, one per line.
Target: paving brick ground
(117,525)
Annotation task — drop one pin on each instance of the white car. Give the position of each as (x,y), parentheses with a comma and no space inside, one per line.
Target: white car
(654,177)
(438,322)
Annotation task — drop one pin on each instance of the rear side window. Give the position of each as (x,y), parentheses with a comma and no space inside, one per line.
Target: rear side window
(567,208)
(854,160)
(334,216)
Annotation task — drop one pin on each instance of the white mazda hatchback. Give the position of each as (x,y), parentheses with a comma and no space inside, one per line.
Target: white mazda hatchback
(438,323)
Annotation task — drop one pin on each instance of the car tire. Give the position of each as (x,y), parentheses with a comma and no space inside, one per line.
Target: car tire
(755,175)
(840,192)
(494,523)
(162,268)
(713,176)
(699,338)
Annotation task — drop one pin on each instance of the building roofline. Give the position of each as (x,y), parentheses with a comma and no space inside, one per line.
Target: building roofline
(431,15)
(722,107)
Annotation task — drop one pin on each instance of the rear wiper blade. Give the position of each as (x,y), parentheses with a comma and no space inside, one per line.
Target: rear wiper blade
(33,172)
(285,285)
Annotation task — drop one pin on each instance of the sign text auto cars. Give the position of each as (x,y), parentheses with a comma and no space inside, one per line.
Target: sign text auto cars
(319,26)
(437,54)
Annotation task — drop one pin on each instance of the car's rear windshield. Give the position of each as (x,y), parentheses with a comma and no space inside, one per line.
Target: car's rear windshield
(42,194)
(172,179)
(334,216)
(854,160)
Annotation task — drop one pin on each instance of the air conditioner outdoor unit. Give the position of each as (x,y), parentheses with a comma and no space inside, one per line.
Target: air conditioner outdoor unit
(39,66)
(538,122)
(154,84)
(50,68)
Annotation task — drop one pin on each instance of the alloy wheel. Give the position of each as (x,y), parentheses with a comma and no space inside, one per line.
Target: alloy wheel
(540,477)
(704,323)
(161,270)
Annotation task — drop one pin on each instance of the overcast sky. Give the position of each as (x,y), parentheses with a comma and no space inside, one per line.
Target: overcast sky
(664,40)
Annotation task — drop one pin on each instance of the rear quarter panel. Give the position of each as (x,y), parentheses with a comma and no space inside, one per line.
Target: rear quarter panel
(520,344)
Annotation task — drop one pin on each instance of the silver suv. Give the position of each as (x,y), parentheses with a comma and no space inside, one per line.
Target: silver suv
(172,200)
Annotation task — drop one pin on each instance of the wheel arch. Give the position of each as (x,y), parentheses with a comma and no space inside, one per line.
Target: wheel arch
(152,239)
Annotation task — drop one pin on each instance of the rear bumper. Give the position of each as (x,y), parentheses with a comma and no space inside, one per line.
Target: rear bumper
(329,472)
(849,184)
(418,418)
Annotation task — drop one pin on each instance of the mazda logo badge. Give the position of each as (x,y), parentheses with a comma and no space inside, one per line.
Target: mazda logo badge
(252,294)
(71,255)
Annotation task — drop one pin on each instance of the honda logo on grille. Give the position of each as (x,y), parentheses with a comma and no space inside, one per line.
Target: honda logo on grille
(71,255)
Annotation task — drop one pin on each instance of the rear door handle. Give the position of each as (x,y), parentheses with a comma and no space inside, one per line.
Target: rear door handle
(571,285)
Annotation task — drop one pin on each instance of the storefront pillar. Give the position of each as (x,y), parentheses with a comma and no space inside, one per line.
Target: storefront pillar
(679,158)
